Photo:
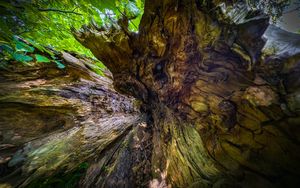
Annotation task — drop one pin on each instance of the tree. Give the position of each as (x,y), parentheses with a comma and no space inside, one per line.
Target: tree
(217,109)
(48,22)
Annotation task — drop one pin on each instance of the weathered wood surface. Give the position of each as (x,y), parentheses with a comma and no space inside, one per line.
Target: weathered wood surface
(220,106)
(53,120)
(225,109)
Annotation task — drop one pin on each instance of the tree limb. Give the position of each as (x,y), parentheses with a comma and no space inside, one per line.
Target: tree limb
(58,10)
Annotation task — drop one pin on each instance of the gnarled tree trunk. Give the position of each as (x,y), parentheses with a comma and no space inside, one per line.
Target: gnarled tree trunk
(219,109)
(224,112)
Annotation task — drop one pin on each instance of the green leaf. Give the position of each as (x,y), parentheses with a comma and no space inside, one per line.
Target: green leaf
(39,47)
(41,59)
(22,58)
(21,46)
(60,65)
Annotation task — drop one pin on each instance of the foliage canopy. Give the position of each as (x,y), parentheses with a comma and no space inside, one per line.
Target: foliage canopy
(48,22)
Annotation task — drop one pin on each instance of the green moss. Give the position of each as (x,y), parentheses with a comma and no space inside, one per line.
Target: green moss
(192,158)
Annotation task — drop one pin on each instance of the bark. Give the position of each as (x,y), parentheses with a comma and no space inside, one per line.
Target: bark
(225,109)
(57,122)
(219,105)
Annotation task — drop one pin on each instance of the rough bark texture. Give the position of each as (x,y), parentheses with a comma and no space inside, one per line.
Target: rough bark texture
(224,112)
(55,123)
(220,106)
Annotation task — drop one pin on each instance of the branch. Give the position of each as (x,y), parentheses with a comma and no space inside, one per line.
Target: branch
(110,44)
(58,10)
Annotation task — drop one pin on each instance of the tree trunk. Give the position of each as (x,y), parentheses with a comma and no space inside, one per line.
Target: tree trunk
(57,122)
(217,109)
(225,109)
